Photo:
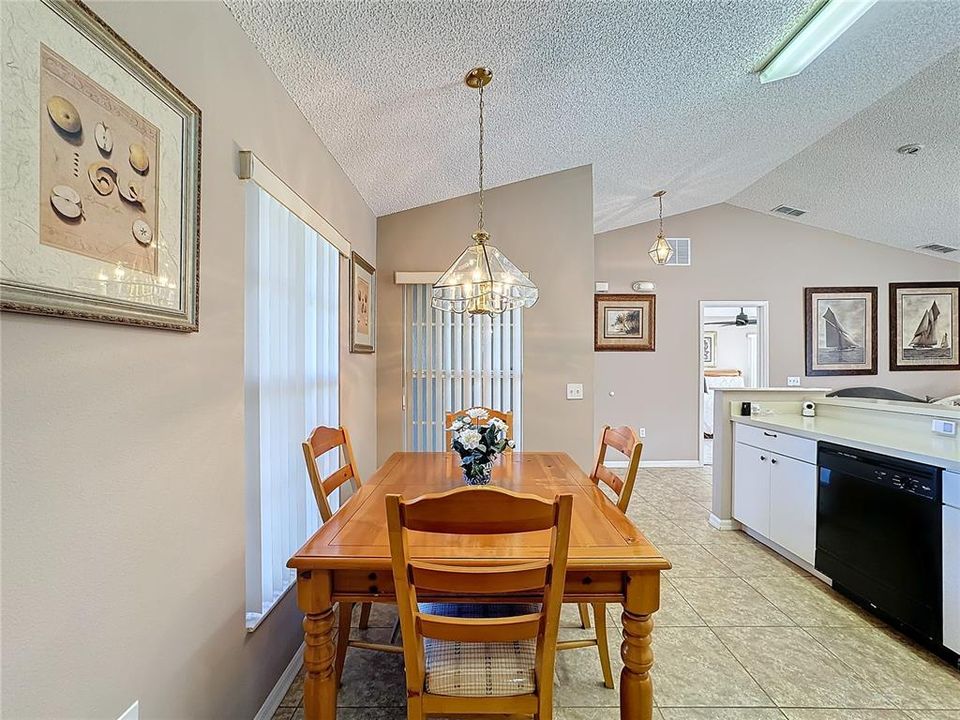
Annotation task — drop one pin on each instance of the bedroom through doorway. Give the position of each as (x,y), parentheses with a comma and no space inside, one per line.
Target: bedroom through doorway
(733,354)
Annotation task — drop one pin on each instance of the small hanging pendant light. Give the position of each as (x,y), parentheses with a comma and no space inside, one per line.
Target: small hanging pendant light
(482,281)
(660,252)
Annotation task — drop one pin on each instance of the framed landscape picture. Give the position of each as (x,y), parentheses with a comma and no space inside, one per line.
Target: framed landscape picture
(925,326)
(624,322)
(363,305)
(709,348)
(100,170)
(840,330)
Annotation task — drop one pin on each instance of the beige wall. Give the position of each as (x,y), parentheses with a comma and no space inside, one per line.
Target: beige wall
(122,448)
(739,254)
(545,226)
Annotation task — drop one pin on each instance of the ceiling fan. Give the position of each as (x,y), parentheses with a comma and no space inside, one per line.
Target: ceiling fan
(740,320)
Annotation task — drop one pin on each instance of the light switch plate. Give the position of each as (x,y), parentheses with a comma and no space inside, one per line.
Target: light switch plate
(945,427)
(574,391)
(793,381)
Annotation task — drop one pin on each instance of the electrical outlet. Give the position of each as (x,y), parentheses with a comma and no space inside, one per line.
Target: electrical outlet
(793,381)
(642,432)
(574,391)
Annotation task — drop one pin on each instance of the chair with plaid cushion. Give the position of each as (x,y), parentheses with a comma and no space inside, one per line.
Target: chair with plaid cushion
(491,658)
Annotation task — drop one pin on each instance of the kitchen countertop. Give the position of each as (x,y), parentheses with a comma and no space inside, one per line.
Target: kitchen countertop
(918,446)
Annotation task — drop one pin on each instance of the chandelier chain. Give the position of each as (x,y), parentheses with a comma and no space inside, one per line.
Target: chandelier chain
(480,222)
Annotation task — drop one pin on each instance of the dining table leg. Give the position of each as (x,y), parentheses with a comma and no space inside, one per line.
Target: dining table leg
(320,678)
(636,686)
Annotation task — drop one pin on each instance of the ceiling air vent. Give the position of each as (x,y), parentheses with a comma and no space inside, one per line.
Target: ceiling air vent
(787,210)
(937,248)
(681,251)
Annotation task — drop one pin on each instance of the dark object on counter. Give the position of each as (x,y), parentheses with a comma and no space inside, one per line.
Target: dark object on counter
(879,534)
(745,409)
(874,393)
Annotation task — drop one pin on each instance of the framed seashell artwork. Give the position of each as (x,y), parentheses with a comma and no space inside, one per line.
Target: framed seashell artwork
(113,234)
(363,305)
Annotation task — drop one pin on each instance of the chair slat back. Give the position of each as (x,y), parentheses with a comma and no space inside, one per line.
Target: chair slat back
(507,417)
(321,441)
(478,511)
(626,441)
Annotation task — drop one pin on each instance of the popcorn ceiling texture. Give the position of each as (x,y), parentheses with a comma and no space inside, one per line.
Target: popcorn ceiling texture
(653,94)
(902,201)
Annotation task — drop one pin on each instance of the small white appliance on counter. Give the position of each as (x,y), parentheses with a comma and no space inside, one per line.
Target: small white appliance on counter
(809,408)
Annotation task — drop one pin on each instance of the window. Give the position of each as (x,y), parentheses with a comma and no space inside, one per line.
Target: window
(453,362)
(292,358)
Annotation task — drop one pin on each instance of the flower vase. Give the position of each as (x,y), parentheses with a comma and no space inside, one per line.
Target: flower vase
(478,474)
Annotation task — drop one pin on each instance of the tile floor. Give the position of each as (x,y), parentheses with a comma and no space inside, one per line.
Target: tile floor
(741,635)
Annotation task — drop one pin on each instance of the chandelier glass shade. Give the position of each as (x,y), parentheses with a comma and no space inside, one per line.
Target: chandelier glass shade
(482,281)
(660,252)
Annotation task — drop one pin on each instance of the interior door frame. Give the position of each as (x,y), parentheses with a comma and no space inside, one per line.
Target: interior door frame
(763,345)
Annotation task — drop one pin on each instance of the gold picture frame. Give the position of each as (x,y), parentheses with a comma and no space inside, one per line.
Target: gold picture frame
(624,323)
(363,305)
(103,221)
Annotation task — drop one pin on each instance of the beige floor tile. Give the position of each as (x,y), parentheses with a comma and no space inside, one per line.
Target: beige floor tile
(797,671)
(693,561)
(674,610)
(912,677)
(608,713)
(285,713)
(810,603)
(933,714)
(847,714)
(662,532)
(294,694)
(372,679)
(728,602)
(754,560)
(721,714)
(693,668)
(579,680)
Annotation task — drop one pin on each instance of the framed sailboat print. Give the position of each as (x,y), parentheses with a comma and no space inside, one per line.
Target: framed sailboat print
(925,326)
(841,330)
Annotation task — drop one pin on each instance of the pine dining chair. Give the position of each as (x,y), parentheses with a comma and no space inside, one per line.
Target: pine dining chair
(479,659)
(321,441)
(626,441)
(507,417)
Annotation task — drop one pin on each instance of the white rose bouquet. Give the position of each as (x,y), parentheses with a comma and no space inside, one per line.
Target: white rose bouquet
(478,444)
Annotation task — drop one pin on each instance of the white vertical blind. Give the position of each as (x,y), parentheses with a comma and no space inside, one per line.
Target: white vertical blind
(292,385)
(454,362)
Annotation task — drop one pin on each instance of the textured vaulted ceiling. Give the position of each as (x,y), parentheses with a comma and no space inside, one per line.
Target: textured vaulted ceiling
(853,181)
(655,94)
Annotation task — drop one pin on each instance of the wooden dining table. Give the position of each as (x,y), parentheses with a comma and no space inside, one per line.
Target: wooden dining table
(348,559)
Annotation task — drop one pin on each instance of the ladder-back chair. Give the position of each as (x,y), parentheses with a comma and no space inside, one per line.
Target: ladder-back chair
(479,659)
(626,441)
(321,441)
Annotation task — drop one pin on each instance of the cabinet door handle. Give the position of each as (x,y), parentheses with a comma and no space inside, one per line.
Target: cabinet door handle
(773,461)
(769,434)
(762,458)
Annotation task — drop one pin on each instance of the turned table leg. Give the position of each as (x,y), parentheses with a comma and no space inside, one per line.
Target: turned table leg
(320,677)
(636,686)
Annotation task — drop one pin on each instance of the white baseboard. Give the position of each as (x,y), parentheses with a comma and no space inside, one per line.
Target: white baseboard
(272,702)
(655,464)
(719,524)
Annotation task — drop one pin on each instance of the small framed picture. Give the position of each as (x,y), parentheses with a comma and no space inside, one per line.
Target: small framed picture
(925,326)
(624,322)
(363,305)
(841,330)
(710,348)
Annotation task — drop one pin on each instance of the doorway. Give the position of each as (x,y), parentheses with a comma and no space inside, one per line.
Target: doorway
(733,354)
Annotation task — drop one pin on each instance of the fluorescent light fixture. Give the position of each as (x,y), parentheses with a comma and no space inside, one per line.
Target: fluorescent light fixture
(813,36)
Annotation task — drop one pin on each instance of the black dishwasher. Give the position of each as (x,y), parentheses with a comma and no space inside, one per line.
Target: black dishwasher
(879,534)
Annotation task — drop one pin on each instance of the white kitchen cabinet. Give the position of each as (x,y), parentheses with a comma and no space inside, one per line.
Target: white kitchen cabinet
(751,487)
(951,577)
(793,506)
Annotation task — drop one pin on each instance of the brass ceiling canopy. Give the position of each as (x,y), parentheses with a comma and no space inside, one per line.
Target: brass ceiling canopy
(478,77)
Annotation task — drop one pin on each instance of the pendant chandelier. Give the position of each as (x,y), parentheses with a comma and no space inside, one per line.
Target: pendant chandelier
(660,252)
(482,281)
